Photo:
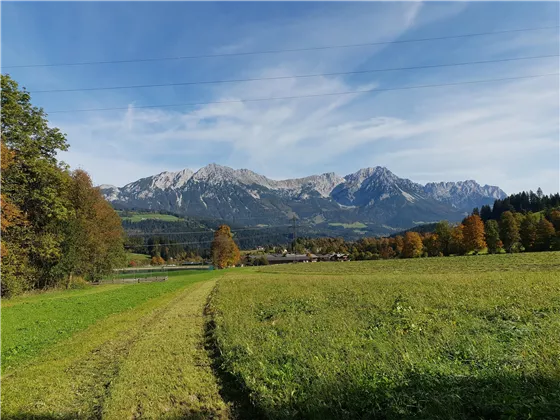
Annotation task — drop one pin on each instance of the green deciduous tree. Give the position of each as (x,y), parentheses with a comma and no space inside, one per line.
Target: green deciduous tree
(54,224)
(528,232)
(492,236)
(443,231)
(544,235)
(34,182)
(509,231)
(555,219)
(93,239)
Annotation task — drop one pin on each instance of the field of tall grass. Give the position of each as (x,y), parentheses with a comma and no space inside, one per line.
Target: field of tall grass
(449,338)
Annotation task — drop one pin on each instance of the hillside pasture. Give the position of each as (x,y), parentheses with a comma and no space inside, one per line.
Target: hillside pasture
(138,217)
(139,259)
(355,225)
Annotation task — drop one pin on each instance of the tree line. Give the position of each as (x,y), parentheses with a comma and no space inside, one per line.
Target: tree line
(513,231)
(522,202)
(57,229)
(190,239)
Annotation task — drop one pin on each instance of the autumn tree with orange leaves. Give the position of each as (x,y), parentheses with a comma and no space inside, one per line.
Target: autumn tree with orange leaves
(457,241)
(225,252)
(473,233)
(93,234)
(412,246)
(8,212)
(16,272)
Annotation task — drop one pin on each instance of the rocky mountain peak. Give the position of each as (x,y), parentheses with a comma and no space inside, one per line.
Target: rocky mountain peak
(378,173)
(371,195)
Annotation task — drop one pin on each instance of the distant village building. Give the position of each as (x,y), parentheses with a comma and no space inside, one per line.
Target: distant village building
(299,258)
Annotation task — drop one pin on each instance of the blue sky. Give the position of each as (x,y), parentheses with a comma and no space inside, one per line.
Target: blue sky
(502,133)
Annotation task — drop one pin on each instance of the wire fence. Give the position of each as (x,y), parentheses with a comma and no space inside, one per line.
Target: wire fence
(139,275)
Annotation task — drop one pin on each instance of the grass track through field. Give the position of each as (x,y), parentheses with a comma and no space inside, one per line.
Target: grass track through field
(167,373)
(147,362)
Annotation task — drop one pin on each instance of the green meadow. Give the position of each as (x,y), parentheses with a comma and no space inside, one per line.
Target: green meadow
(440,338)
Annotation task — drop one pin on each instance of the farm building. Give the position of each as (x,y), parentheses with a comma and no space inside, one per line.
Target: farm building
(300,258)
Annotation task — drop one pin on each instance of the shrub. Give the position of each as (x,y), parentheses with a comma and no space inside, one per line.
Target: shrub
(78,283)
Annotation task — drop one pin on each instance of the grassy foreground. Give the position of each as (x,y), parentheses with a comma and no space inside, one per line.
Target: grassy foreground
(448,338)
(141,356)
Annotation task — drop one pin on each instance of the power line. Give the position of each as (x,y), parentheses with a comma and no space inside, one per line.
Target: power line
(204,232)
(201,242)
(352,92)
(328,47)
(340,73)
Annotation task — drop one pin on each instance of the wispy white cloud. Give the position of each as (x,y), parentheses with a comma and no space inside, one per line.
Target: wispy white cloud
(496,133)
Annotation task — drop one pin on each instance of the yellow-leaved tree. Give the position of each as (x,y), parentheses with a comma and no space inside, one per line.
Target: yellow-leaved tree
(412,245)
(473,233)
(225,252)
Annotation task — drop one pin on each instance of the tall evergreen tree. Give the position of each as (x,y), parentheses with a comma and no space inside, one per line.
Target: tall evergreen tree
(485,212)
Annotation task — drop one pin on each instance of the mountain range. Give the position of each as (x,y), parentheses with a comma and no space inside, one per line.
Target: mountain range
(373,197)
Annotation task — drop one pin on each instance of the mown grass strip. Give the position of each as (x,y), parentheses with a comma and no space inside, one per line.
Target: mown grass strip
(32,325)
(168,373)
(73,378)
